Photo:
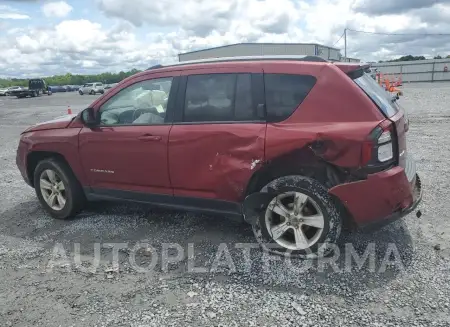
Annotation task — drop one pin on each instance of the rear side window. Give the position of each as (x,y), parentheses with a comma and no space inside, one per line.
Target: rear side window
(284,93)
(378,95)
(218,97)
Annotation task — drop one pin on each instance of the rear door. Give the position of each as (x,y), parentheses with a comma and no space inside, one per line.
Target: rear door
(217,140)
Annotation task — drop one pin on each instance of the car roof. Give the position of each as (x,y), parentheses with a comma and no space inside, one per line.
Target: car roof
(314,60)
(243,59)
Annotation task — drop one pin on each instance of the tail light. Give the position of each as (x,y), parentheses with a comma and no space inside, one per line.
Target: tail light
(379,148)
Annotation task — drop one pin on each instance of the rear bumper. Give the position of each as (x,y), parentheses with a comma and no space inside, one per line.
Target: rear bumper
(399,214)
(381,198)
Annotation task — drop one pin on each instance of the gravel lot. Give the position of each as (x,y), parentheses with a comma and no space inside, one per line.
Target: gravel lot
(38,287)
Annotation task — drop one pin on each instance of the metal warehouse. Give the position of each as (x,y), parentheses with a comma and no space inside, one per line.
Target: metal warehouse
(264,49)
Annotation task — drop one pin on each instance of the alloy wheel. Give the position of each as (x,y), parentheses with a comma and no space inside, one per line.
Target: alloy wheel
(294,220)
(53,189)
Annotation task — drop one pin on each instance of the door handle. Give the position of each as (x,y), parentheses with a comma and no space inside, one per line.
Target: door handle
(149,137)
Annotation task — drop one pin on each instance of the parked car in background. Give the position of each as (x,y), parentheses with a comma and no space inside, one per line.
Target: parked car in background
(109,86)
(36,87)
(55,88)
(251,138)
(3,91)
(7,90)
(92,88)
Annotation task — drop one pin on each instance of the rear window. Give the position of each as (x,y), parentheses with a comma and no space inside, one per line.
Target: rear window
(378,95)
(284,93)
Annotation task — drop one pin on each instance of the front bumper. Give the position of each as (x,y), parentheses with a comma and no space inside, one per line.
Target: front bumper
(21,157)
(381,198)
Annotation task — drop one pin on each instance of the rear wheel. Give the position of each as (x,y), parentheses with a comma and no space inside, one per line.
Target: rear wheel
(301,220)
(57,189)
(80,92)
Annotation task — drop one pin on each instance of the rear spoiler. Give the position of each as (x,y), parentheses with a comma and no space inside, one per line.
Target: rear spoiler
(353,70)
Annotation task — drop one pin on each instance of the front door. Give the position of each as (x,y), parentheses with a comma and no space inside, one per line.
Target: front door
(217,140)
(128,149)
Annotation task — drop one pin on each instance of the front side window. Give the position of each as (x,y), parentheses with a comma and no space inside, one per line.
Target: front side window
(143,103)
(218,97)
(284,93)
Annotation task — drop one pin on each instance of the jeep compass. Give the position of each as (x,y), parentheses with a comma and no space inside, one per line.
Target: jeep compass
(298,147)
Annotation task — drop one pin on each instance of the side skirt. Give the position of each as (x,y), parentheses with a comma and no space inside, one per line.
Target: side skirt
(231,210)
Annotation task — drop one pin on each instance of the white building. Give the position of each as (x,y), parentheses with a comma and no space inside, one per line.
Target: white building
(265,49)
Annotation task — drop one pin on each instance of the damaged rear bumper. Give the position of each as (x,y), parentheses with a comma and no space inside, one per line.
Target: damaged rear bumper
(400,213)
(380,199)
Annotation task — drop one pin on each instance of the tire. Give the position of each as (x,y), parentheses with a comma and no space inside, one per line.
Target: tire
(319,203)
(33,94)
(92,92)
(80,92)
(73,192)
(101,92)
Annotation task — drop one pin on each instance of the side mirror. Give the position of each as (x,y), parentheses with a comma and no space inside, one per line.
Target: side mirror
(88,117)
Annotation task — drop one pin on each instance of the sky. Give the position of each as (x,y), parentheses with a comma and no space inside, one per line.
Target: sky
(48,37)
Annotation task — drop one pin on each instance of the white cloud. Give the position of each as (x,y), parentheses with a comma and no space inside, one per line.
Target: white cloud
(7,12)
(13,16)
(58,9)
(175,26)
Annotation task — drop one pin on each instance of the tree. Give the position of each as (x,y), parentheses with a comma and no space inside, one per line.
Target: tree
(69,79)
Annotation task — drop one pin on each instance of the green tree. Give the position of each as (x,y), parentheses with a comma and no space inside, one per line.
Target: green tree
(70,79)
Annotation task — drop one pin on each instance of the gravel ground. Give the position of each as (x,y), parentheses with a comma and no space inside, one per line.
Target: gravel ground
(48,276)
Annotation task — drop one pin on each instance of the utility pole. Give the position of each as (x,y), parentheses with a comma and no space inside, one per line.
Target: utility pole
(345,41)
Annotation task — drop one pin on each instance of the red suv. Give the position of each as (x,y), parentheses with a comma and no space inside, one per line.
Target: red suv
(296,146)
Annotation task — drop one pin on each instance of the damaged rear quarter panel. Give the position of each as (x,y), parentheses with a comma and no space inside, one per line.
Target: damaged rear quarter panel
(336,112)
(215,160)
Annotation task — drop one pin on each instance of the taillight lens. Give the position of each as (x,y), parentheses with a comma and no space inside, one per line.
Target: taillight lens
(385,147)
(378,149)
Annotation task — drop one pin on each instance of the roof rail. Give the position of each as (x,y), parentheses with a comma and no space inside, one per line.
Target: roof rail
(246,58)
(155,67)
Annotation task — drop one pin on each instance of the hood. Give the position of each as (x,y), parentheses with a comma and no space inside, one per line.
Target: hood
(57,123)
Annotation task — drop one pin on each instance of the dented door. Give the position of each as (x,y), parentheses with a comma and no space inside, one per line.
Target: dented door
(217,140)
(214,161)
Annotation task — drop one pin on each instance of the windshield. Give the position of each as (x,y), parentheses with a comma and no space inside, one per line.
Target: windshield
(90,84)
(378,95)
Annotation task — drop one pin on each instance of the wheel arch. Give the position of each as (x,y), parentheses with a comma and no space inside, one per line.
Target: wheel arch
(301,162)
(34,157)
(298,162)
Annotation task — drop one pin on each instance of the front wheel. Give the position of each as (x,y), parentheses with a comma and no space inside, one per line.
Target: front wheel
(301,220)
(80,92)
(57,189)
